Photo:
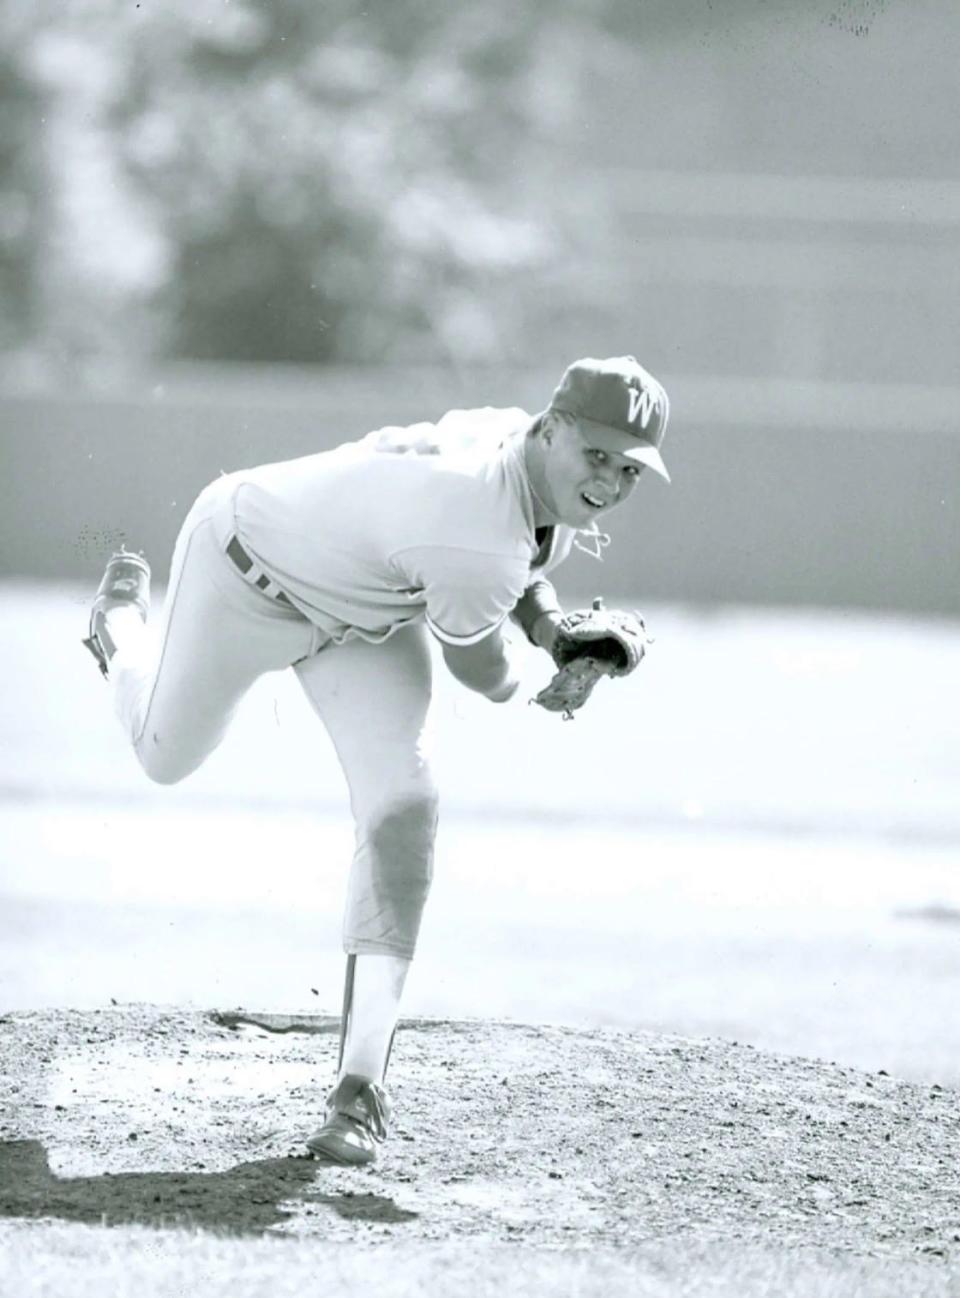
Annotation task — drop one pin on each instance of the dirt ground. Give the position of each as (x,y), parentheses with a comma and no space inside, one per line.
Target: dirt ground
(549,1136)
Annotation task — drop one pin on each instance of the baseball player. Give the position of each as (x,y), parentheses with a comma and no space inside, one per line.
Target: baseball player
(343,565)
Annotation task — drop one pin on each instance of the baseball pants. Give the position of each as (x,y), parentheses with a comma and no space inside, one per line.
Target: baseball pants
(176,694)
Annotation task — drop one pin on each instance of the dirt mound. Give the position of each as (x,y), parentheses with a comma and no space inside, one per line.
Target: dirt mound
(551,1136)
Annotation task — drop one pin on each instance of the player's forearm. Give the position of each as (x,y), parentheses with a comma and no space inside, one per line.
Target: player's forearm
(485,668)
(497,681)
(538,613)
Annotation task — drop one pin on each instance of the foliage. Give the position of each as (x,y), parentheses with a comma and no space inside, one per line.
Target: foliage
(316,180)
(310,181)
(22,176)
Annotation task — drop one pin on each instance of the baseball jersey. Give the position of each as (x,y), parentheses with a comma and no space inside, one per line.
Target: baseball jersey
(431,521)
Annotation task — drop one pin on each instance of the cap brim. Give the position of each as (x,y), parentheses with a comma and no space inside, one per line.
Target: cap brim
(650,456)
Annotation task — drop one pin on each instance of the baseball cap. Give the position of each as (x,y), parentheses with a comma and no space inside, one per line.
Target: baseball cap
(625,407)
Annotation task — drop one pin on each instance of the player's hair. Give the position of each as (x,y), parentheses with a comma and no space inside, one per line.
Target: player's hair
(550,417)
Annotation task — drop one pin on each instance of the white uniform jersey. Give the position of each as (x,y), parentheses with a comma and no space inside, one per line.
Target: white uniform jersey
(430,521)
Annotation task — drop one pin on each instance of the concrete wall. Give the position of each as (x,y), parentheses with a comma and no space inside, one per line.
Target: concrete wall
(786,493)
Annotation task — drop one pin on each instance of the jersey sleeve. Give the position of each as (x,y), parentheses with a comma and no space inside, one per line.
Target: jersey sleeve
(467,594)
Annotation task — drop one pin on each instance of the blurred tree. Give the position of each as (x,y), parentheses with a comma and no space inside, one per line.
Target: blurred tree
(394,179)
(23,182)
(331,181)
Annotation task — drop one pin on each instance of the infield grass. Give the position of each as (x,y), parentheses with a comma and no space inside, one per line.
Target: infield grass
(49,1260)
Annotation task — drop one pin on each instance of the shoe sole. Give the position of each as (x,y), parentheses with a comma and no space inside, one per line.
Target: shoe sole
(330,1155)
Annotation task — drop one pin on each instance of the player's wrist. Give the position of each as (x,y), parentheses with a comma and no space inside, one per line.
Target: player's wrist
(538,608)
(543,632)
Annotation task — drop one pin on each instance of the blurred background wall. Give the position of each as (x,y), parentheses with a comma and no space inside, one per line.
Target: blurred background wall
(235,232)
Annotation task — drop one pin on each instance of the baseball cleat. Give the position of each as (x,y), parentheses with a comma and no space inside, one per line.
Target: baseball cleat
(358,1113)
(126,580)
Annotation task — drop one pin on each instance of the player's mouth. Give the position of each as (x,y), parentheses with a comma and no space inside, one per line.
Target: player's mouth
(591,501)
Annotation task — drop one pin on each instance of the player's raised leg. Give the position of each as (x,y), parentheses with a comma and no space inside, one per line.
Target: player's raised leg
(176,687)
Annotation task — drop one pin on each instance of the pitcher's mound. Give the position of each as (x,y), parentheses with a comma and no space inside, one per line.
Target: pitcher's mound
(552,1136)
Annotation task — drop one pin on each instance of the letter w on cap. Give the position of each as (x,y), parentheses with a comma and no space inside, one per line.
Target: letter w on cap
(642,403)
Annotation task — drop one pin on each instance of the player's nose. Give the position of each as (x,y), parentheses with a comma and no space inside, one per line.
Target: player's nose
(608,475)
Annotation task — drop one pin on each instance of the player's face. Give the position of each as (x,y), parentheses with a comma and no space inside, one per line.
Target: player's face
(584,479)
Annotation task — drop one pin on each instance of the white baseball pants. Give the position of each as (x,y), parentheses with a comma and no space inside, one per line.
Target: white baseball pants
(175,696)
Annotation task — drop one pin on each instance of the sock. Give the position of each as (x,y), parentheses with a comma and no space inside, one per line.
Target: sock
(124,625)
(378,982)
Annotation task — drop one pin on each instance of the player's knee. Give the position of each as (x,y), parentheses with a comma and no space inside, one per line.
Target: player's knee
(162,766)
(163,773)
(407,825)
(401,838)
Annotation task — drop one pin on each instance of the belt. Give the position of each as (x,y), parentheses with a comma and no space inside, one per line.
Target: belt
(256,576)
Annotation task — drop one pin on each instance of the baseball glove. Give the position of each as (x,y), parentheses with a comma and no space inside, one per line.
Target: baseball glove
(590,643)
